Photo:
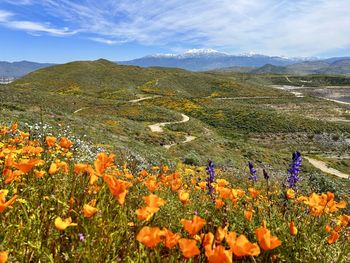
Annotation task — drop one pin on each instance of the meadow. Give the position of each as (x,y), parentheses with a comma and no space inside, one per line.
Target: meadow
(56,208)
(84,179)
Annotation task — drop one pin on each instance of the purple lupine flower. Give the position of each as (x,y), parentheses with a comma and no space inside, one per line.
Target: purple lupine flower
(294,170)
(252,171)
(211,177)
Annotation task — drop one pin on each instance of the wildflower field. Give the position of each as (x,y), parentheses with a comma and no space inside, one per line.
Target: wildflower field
(56,208)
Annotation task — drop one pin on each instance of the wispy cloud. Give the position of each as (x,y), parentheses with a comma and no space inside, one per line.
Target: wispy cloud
(7,20)
(299,27)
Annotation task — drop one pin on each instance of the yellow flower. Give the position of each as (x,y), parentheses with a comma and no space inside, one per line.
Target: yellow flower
(61,224)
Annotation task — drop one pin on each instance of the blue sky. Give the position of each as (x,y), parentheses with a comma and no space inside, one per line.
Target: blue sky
(62,30)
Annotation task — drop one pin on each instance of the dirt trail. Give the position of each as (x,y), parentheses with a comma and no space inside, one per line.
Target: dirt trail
(324,168)
(158,128)
(144,98)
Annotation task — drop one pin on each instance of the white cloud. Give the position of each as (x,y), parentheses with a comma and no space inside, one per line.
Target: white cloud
(106,41)
(7,20)
(298,27)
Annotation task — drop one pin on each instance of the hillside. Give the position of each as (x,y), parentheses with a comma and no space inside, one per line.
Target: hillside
(231,117)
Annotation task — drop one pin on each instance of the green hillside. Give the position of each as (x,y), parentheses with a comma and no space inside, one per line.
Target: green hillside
(233,117)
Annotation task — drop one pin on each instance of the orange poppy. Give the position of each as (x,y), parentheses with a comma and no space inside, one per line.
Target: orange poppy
(62,224)
(207,242)
(193,226)
(3,256)
(176,184)
(3,203)
(253,192)
(171,239)
(293,229)
(225,193)
(248,214)
(39,174)
(152,184)
(117,187)
(149,236)
(89,209)
(25,165)
(221,233)
(102,162)
(220,255)
(146,213)
(265,239)
(50,141)
(219,203)
(333,237)
(241,246)
(65,143)
(153,201)
(189,247)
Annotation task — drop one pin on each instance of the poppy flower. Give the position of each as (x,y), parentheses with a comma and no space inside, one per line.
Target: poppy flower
(189,247)
(65,143)
(149,236)
(221,233)
(117,187)
(207,242)
(333,237)
(265,239)
(53,168)
(62,224)
(151,184)
(3,203)
(3,256)
(253,192)
(102,162)
(219,203)
(293,229)
(153,201)
(184,197)
(193,226)
(26,165)
(290,193)
(241,246)
(248,214)
(39,174)
(176,184)
(146,213)
(89,210)
(220,255)
(171,239)
(50,141)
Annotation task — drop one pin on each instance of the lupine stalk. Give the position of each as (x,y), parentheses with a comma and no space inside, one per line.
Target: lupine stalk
(211,178)
(252,171)
(294,170)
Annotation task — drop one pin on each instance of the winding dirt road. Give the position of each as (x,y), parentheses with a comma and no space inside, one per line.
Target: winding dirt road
(158,128)
(324,168)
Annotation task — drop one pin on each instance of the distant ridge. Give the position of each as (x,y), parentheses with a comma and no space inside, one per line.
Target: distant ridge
(208,59)
(19,69)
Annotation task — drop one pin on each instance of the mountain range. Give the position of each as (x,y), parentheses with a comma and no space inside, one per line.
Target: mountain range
(19,69)
(210,59)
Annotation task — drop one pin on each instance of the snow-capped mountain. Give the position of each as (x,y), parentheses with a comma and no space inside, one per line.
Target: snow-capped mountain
(208,59)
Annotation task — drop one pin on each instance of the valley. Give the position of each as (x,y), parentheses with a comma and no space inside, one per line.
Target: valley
(171,115)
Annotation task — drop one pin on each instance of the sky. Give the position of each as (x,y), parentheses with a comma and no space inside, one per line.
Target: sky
(61,30)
